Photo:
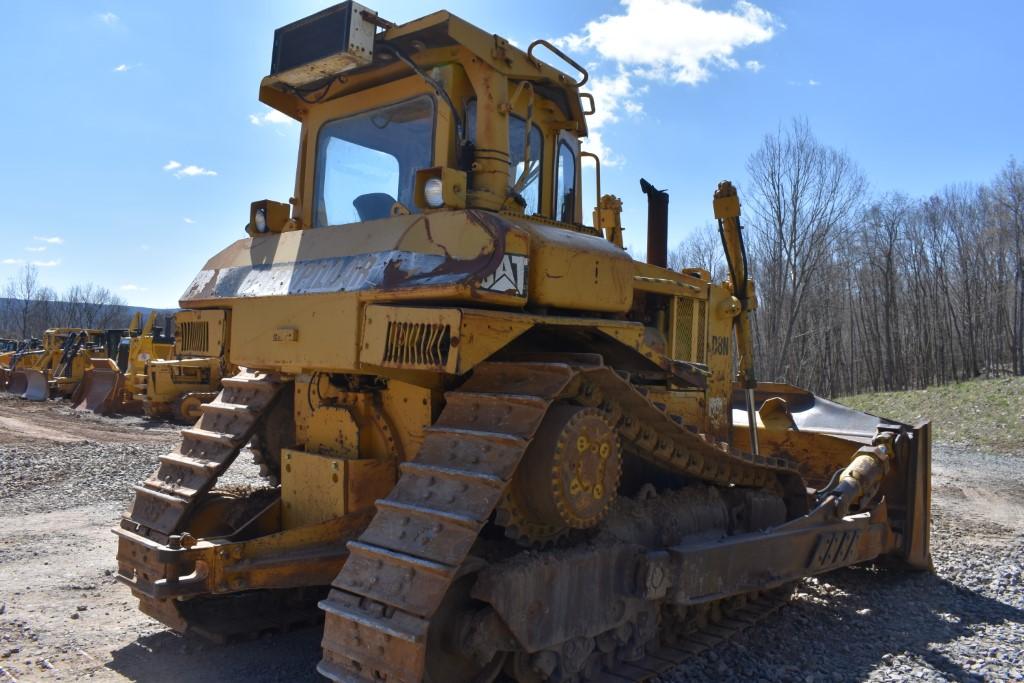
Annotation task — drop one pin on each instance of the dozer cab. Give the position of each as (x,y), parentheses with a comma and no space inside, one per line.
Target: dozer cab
(493,445)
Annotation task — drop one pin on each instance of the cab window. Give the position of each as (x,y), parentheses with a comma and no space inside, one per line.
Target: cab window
(367,162)
(530,181)
(565,184)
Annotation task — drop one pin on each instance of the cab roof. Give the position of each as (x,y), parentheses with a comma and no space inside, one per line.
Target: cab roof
(431,41)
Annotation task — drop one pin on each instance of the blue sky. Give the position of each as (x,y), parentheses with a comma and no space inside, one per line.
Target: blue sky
(102,97)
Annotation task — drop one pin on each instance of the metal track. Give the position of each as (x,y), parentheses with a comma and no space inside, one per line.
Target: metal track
(723,620)
(165,500)
(380,606)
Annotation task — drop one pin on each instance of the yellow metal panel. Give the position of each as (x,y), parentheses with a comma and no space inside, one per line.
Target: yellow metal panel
(329,430)
(329,341)
(315,488)
(312,488)
(574,271)
(411,409)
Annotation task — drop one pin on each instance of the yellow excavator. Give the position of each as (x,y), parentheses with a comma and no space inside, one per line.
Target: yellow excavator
(494,446)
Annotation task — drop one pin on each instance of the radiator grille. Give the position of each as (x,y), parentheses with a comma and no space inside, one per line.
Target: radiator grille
(684,329)
(194,337)
(691,332)
(412,344)
(702,308)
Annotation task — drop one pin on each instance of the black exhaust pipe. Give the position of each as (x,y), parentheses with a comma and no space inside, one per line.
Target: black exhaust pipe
(657,224)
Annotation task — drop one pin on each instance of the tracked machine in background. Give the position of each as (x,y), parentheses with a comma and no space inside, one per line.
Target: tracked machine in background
(176,387)
(494,446)
(56,367)
(116,380)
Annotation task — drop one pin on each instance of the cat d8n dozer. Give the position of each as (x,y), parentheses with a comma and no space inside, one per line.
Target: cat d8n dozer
(494,445)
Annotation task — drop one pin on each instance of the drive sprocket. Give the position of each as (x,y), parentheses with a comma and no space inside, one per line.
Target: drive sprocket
(568,479)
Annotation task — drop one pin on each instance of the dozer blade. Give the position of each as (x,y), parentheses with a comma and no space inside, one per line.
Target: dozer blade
(37,385)
(18,383)
(98,391)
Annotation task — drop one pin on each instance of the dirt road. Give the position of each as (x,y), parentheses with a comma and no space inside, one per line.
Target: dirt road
(65,477)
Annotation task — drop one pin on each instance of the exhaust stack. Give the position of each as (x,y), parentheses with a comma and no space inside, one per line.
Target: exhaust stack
(657,224)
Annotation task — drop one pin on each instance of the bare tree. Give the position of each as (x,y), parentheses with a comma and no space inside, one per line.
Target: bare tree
(803,201)
(702,249)
(22,292)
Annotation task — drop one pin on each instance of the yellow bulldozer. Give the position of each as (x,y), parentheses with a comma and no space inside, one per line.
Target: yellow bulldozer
(494,446)
(177,386)
(116,382)
(57,367)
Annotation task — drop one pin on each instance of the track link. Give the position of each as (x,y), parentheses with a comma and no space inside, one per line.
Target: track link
(165,500)
(379,609)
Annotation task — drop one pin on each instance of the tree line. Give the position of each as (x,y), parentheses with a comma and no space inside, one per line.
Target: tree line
(860,292)
(27,307)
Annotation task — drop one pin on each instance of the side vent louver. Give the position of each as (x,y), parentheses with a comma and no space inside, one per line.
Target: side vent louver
(424,345)
(194,337)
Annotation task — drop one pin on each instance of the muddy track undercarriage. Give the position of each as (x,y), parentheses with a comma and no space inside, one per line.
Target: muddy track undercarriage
(449,578)
(387,598)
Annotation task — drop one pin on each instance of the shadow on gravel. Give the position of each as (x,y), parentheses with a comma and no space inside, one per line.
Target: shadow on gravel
(846,624)
(166,656)
(916,612)
(841,627)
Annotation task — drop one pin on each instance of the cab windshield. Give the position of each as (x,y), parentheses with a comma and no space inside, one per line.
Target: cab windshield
(367,162)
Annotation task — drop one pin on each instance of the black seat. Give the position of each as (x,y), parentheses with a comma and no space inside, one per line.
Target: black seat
(373,205)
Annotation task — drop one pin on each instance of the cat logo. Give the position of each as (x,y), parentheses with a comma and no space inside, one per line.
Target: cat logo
(509,277)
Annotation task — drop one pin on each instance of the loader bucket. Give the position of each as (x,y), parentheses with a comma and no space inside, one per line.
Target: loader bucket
(98,391)
(18,383)
(37,386)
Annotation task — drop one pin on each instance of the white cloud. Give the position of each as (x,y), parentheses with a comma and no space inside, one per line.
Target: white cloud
(35,249)
(189,221)
(610,94)
(46,264)
(675,40)
(50,240)
(271,116)
(132,288)
(190,170)
(193,170)
(813,83)
(121,68)
(12,262)
(753,65)
(666,41)
(109,18)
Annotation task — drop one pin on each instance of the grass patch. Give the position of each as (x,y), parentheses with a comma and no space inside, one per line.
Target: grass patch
(983,413)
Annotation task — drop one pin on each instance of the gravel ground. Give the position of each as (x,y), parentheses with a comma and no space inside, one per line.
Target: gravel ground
(65,477)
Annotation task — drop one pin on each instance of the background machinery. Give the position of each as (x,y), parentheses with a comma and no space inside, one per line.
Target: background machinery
(56,368)
(177,386)
(494,446)
(116,380)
